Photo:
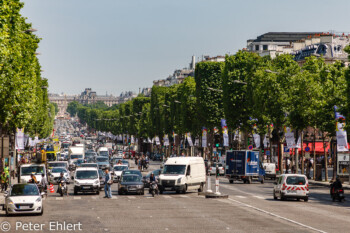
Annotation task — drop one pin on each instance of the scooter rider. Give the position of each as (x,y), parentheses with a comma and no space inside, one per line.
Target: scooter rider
(336,185)
(59,180)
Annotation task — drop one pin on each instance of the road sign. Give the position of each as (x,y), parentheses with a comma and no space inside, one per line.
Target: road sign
(307,149)
(250,147)
(267,152)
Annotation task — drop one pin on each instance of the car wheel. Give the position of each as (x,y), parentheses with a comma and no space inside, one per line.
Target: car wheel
(6,211)
(200,188)
(120,193)
(177,191)
(274,195)
(262,180)
(231,181)
(75,191)
(306,199)
(282,197)
(249,180)
(98,192)
(185,189)
(298,199)
(42,211)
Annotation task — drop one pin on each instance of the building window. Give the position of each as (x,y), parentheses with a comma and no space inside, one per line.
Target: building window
(257,47)
(264,47)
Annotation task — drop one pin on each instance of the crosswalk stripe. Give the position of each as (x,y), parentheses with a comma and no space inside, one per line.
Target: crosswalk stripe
(165,196)
(77,198)
(114,197)
(259,197)
(59,198)
(183,196)
(131,197)
(241,197)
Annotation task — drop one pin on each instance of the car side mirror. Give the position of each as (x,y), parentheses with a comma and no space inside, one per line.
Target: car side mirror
(275,183)
(42,194)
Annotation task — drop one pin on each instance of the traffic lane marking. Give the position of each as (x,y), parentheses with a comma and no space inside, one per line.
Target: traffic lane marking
(276,215)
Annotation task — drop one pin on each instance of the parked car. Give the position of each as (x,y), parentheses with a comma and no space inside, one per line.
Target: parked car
(131,184)
(145,179)
(291,186)
(23,199)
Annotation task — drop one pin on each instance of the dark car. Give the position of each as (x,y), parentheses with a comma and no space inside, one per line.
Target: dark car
(131,172)
(145,179)
(102,176)
(158,157)
(131,184)
(103,162)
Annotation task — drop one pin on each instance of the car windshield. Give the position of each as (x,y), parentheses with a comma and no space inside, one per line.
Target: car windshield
(89,155)
(89,165)
(50,156)
(128,172)
(24,190)
(32,169)
(120,168)
(57,164)
(104,153)
(76,156)
(174,169)
(102,159)
(58,170)
(86,175)
(214,165)
(100,173)
(125,162)
(296,180)
(131,179)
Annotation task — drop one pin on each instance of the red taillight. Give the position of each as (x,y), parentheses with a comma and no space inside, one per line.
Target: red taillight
(340,190)
(211,169)
(307,187)
(284,187)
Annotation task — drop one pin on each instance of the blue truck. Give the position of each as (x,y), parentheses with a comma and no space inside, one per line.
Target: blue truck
(244,165)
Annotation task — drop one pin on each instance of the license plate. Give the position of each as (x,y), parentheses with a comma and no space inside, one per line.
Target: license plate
(341,195)
(291,191)
(86,187)
(24,207)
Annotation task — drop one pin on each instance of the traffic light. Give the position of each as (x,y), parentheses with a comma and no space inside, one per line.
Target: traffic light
(217,140)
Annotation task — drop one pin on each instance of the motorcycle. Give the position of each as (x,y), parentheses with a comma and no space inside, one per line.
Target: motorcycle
(62,188)
(338,194)
(153,188)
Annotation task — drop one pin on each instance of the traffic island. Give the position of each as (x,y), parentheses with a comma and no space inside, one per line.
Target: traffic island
(214,195)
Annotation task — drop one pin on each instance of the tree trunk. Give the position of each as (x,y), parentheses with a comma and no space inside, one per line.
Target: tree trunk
(314,146)
(326,161)
(302,153)
(297,157)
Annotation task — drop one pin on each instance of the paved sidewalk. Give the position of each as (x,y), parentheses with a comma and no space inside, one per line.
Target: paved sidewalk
(327,184)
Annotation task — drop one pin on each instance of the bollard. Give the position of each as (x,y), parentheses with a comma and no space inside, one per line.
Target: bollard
(217,187)
(208,185)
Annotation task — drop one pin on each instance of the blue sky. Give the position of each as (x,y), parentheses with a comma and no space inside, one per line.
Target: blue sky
(114,46)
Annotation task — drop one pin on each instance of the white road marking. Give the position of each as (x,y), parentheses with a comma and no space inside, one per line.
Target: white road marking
(77,198)
(241,197)
(166,196)
(184,196)
(114,197)
(277,216)
(259,197)
(59,198)
(131,197)
(95,198)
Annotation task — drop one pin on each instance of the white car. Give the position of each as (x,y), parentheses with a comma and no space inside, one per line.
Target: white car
(117,171)
(291,186)
(212,169)
(23,199)
(55,173)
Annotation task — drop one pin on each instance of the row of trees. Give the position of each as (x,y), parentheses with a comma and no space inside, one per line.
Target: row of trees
(24,99)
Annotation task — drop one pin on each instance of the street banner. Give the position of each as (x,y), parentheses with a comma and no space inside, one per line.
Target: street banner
(256,140)
(204,137)
(196,142)
(166,140)
(216,130)
(157,140)
(225,135)
(31,142)
(189,139)
(223,123)
(298,145)
(132,140)
(342,142)
(290,139)
(237,136)
(174,137)
(20,139)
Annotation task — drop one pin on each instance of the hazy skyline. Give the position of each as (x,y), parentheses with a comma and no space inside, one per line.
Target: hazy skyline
(114,46)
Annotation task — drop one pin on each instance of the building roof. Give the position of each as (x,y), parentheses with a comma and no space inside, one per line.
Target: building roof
(283,36)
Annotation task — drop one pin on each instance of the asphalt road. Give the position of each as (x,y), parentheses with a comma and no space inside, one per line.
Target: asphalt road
(249,208)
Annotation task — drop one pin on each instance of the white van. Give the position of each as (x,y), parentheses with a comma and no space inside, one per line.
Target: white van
(103,151)
(181,174)
(291,186)
(86,179)
(27,170)
(53,164)
(270,170)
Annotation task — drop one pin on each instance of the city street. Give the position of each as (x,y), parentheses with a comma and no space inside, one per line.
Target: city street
(249,208)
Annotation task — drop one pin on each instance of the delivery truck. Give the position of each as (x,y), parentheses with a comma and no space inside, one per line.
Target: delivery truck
(244,165)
